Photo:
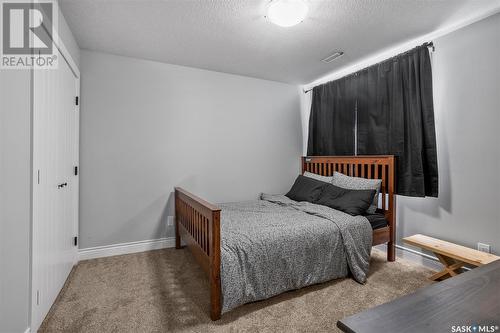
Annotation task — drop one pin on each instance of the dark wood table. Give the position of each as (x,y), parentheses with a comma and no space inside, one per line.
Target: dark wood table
(469,299)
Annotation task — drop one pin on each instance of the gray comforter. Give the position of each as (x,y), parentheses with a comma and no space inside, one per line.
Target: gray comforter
(276,244)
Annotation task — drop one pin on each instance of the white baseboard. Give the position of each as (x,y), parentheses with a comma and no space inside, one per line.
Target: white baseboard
(162,243)
(28,330)
(125,248)
(415,256)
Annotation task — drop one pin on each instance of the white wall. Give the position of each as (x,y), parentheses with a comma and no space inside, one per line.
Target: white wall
(147,127)
(15,191)
(466,75)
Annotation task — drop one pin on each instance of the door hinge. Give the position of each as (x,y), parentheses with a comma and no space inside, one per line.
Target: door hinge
(75,240)
(76,100)
(76,171)
(38,297)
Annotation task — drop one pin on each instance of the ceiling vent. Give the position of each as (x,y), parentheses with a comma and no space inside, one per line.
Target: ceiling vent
(332,57)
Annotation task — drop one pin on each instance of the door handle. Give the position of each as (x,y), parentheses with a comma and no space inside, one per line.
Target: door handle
(62,185)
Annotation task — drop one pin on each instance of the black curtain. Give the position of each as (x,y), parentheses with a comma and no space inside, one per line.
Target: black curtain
(395,115)
(332,119)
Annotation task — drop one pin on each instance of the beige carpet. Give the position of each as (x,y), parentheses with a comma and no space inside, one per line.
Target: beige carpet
(165,290)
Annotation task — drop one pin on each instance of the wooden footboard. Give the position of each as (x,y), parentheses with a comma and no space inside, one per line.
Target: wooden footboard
(198,223)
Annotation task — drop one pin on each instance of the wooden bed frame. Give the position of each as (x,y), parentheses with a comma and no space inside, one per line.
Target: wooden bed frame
(198,221)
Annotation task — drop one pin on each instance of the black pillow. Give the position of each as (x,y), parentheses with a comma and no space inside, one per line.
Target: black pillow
(306,189)
(354,202)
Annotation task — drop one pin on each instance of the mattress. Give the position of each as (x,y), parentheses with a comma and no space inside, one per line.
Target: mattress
(377,221)
(275,244)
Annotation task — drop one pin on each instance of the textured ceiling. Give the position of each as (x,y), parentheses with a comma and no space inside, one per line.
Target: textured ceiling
(233,36)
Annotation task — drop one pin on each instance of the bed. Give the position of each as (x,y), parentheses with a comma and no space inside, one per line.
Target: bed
(255,250)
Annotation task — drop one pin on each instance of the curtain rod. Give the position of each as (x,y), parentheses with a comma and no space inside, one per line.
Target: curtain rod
(429,45)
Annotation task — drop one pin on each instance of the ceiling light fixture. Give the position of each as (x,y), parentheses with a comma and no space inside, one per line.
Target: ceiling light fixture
(287,13)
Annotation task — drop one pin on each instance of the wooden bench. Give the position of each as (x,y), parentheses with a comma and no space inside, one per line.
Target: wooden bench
(452,256)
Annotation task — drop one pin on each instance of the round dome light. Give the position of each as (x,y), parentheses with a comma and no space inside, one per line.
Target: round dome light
(287,13)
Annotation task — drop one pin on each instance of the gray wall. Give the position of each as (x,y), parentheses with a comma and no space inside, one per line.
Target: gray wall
(147,127)
(15,199)
(466,75)
(68,39)
(15,191)
(466,71)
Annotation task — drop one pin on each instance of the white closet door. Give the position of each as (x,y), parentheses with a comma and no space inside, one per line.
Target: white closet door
(55,186)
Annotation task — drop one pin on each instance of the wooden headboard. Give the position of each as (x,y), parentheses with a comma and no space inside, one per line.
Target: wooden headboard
(371,167)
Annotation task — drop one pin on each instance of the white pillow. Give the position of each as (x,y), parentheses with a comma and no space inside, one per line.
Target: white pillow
(318,177)
(357,183)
